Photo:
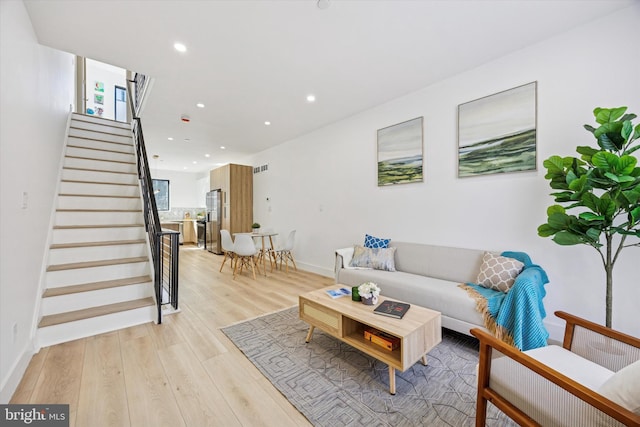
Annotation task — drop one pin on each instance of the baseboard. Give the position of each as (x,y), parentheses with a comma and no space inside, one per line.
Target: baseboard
(322,271)
(11,382)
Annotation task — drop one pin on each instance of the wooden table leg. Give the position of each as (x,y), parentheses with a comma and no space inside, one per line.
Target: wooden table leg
(309,333)
(392,380)
(424,360)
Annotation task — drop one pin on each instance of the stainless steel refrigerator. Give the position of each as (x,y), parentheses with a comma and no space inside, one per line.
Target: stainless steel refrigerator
(214,221)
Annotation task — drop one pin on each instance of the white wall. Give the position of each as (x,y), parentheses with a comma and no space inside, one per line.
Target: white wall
(111,77)
(334,199)
(186,189)
(37,90)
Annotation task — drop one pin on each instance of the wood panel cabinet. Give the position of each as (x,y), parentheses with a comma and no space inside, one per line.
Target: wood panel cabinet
(236,183)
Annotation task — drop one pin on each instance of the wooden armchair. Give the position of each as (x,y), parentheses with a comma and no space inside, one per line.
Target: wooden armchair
(562,386)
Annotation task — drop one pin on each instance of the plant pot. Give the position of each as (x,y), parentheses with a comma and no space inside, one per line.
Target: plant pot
(369,301)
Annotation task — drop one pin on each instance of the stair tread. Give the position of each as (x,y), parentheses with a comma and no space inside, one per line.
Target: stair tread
(103,243)
(80,117)
(77,181)
(100,149)
(87,313)
(97,195)
(94,286)
(86,138)
(98,170)
(71,227)
(99,160)
(101,263)
(98,210)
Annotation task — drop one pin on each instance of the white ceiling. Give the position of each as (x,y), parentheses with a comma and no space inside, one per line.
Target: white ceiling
(256,60)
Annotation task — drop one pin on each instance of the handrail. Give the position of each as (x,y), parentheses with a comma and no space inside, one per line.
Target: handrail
(163,243)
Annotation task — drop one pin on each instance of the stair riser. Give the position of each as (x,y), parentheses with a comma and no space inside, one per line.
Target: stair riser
(56,279)
(121,138)
(101,189)
(100,165)
(78,202)
(85,120)
(98,218)
(97,234)
(98,154)
(82,300)
(78,124)
(94,175)
(57,334)
(96,253)
(100,145)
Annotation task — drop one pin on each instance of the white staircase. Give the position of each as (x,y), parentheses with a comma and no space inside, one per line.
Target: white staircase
(98,272)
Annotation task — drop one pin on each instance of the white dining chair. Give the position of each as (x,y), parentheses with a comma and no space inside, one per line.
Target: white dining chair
(283,253)
(227,247)
(245,254)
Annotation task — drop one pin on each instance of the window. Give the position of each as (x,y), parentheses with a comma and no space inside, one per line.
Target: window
(161,193)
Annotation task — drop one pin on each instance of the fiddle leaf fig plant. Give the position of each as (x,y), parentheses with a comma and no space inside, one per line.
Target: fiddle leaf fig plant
(601,189)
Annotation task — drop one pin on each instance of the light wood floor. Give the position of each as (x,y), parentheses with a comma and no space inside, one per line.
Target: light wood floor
(184,372)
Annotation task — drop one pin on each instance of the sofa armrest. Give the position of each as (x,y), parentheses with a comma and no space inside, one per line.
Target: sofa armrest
(342,255)
(532,367)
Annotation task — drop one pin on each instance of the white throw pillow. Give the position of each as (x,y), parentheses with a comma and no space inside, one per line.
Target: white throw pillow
(624,387)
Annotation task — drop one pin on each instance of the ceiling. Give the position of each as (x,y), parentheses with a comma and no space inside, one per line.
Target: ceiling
(253,61)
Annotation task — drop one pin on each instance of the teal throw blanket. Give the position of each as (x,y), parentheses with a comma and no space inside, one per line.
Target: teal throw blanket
(520,311)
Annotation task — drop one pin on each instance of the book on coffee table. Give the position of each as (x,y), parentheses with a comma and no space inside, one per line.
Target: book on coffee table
(390,308)
(340,292)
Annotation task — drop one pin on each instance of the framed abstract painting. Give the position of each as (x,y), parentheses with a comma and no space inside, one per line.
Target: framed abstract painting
(400,153)
(497,133)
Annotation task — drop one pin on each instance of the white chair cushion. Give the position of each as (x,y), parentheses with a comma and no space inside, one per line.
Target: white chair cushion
(581,370)
(624,387)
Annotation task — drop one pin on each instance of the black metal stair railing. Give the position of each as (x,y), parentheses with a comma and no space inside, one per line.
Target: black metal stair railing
(164,243)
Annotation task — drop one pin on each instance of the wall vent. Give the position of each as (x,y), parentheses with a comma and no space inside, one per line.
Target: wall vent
(259,169)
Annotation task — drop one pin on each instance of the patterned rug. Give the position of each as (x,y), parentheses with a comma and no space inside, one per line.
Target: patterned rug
(333,384)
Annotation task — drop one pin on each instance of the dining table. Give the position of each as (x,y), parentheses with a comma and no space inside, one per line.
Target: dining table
(264,250)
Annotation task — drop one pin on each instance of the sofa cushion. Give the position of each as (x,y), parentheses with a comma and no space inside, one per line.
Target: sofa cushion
(375,242)
(455,264)
(376,258)
(624,387)
(437,294)
(498,272)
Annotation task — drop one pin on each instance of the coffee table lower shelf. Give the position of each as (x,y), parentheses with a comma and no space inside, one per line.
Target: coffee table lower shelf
(347,320)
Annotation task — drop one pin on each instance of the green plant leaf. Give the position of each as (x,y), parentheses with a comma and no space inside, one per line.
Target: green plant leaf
(590,128)
(559,221)
(627,130)
(593,234)
(553,209)
(626,164)
(554,164)
(606,115)
(545,230)
(567,238)
(634,215)
(590,216)
(605,161)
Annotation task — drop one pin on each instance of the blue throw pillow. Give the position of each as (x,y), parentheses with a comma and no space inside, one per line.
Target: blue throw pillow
(375,242)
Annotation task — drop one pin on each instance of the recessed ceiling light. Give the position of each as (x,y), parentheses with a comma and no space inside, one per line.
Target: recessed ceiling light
(195,163)
(222,147)
(170,139)
(207,155)
(185,168)
(200,105)
(311,98)
(323,4)
(267,123)
(179,47)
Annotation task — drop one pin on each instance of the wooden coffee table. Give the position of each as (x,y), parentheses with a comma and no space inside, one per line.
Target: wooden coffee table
(419,330)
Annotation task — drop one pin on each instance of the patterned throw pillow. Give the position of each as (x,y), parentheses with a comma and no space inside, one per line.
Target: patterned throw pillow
(498,272)
(375,242)
(376,258)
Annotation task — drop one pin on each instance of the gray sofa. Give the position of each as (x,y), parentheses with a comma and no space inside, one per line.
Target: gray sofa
(428,276)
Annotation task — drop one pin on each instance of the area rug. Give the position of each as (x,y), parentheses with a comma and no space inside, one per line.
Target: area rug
(333,384)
